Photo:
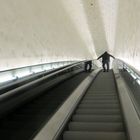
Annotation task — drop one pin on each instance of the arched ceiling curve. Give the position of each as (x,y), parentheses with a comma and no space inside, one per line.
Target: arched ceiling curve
(39,31)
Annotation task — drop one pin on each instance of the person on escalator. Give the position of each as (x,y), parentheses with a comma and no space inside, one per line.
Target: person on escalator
(105,60)
(88,65)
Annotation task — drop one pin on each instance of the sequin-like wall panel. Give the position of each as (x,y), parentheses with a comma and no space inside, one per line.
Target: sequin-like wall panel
(39,31)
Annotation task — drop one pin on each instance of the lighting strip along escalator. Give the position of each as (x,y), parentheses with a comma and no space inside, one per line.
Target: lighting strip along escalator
(7,86)
(26,121)
(98,116)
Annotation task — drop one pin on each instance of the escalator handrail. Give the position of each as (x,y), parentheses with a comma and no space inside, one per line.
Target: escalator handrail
(15,98)
(35,82)
(130,112)
(130,67)
(34,65)
(137,77)
(57,123)
(17,83)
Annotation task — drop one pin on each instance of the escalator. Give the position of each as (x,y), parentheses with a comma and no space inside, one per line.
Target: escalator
(24,122)
(98,116)
(7,86)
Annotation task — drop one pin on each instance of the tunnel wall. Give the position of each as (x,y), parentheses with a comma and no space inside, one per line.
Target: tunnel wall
(41,31)
(127,45)
(115,28)
(38,31)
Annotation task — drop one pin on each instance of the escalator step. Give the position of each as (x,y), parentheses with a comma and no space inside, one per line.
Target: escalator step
(99,89)
(100,98)
(80,135)
(97,118)
(98,111)
(99,101)
(96,126)
(101,95)
(99,105)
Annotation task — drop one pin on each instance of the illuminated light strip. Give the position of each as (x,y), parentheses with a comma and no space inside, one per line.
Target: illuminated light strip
(133,75)
(37,70)
(138,81)
(7,78)
(130,71)
(23,74)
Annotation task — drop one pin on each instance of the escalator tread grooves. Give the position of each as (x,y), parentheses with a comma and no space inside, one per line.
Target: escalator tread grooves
(98,115)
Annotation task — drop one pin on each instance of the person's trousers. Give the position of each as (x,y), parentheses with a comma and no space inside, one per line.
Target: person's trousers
(105,66)
(88,67)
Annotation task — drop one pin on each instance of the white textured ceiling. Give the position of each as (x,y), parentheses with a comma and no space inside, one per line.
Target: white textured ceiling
(39,31)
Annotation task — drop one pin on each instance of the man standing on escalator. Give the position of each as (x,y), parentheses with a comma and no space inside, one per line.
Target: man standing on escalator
(105,60)
(88,65)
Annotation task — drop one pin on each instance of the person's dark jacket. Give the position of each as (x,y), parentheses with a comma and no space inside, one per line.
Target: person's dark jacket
(106,57)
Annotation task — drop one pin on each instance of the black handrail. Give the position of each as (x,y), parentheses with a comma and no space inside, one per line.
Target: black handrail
(16,83)
(34,66)
(18,96)
(129,66)
(137,74)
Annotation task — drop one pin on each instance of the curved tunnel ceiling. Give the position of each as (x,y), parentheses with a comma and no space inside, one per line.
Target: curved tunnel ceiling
(40,31)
